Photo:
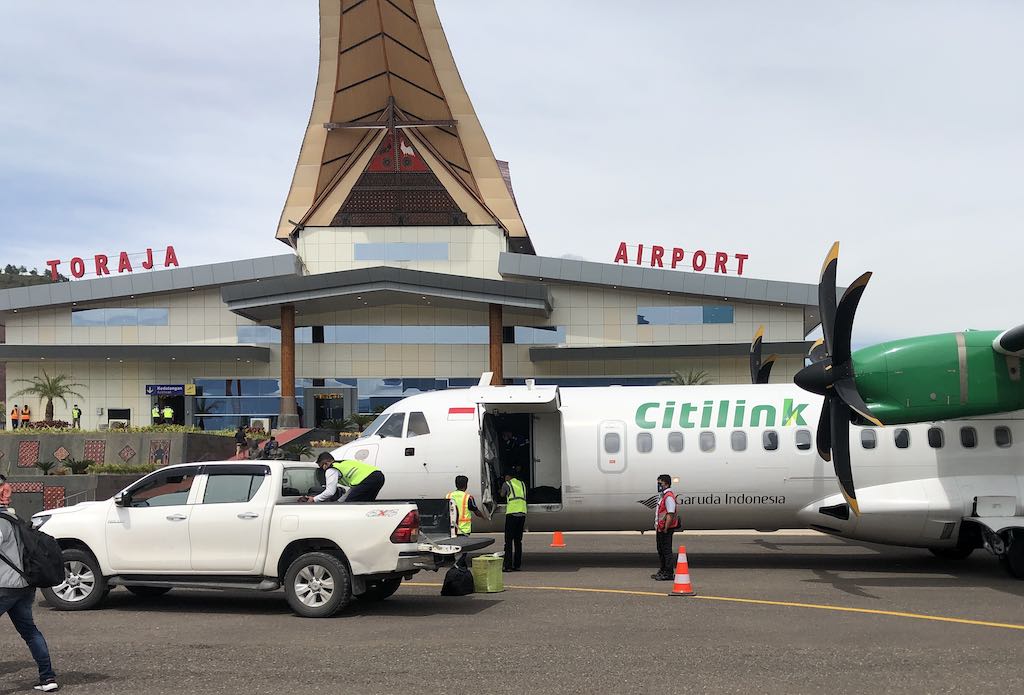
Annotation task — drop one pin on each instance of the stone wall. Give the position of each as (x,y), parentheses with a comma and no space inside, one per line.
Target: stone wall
(34,493)
(20,452)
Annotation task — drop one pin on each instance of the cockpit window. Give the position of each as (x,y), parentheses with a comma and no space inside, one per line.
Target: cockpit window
(417,425)
(375,425)
(393,426)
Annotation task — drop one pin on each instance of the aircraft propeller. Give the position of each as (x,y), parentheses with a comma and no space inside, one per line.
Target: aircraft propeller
(760,371)
(832,375)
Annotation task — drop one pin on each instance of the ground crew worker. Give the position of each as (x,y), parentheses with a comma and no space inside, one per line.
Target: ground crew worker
(514,491)
(168,415)
(156,414)
(76,417)
(363,480)
(26,415)
(666,521)
(15,416)
(462,508)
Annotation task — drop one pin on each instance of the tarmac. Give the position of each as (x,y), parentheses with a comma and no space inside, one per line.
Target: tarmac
(794,613)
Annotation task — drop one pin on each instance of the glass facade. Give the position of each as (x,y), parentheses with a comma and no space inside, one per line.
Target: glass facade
(403,335)
(401,251)
(683,315)
(119,317)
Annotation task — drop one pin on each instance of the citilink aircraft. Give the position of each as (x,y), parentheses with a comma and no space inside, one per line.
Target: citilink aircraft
(930,428)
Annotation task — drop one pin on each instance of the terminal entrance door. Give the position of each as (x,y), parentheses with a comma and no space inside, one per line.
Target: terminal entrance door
(329,406)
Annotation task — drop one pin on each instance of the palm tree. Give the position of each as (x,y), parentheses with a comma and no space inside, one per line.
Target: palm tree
(694,377)
(58,387)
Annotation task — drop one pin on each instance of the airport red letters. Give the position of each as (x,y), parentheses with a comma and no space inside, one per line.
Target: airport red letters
(664,257)
(102,263)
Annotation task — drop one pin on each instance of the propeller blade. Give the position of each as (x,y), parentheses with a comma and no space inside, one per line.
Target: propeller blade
(817,352)
(755,356)
(839,414)
(766,369)
(827,296)
(846,389)
(843,330)
(824,438)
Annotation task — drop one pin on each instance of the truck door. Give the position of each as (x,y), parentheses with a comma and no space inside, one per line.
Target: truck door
(227,524)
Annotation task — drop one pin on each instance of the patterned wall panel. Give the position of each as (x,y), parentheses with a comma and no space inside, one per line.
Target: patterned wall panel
(160,452)
(53,497)
(26,487)
(28,454)
(95,450)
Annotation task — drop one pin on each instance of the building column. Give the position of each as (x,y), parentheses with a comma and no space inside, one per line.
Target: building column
(496,336)
(289,414)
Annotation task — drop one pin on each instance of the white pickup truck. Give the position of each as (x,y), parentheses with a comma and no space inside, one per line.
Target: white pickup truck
(239,526)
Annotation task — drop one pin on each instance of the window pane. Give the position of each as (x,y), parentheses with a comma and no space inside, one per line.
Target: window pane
(707,441)
(770,439)
(417,425)
(803,440)
(612,442)
(739,441)
(164,490)
(936,438)
(1004,437)
(968,437)
(393,426)
(669,315)
(675,442)
(868,439)
(226,489)
(538,335)
(153,317)
(298,481)
(644,442)
(902,438)
(87,317)
(122,317)
(718,314)
(401,251)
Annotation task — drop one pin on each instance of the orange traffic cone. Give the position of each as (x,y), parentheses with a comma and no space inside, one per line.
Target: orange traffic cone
(557,541)
(682,585)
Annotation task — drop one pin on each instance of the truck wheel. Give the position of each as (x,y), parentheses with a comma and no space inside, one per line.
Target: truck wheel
(380,590)
(84,585)
(1013,560)
(148,591)
(317,585)
(955,553)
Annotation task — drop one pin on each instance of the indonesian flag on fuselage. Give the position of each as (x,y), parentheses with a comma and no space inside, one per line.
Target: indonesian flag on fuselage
(461,413)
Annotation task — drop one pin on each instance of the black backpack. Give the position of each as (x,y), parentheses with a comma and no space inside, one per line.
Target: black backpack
(42,563)
(458,581)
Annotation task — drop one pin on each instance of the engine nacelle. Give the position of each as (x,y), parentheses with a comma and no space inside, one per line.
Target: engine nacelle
(938,377)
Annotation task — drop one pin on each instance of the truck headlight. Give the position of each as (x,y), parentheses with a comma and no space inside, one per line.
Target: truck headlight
(38,521)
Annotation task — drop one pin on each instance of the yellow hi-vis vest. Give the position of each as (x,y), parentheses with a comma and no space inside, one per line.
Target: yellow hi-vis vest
(156,412)
(516,497)
(352,472)
(168,413)
(464,520)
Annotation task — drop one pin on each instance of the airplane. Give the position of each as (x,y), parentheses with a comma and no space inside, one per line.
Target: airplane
(945,472)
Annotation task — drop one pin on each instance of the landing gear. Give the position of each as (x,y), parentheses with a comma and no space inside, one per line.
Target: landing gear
(952,554)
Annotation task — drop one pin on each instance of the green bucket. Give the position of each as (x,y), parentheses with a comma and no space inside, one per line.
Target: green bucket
(487,577)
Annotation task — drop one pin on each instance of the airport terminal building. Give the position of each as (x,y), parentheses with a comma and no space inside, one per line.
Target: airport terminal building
(405,267)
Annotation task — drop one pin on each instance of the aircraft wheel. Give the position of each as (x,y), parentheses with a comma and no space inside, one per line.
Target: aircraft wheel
(954,554)
(1013,560)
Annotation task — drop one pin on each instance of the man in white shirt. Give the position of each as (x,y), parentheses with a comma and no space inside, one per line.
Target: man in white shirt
(16,599)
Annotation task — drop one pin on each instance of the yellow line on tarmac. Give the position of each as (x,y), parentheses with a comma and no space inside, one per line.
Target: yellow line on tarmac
(764,602)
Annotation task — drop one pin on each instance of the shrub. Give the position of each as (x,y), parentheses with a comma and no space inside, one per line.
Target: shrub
(122,468)
(78,467)
(46,425)
(325,444)
(46,466)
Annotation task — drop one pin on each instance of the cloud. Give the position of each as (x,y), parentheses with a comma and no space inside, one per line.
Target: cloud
(765,128)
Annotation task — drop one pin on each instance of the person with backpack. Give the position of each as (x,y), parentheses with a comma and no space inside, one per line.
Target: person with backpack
(16,598)
(666,522)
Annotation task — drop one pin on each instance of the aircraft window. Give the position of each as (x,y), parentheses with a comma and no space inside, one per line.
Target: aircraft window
(968,437)
(902,438)
(644,442)
(770,439)
(739,441)
(393,427)
(417,425)
(675,442)
(612,442)
(803,440)
(707,441)
(868,439)
(936,438)
(1004,438)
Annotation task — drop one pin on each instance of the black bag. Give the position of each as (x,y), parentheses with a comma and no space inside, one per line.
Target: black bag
(458,581)
(42,561)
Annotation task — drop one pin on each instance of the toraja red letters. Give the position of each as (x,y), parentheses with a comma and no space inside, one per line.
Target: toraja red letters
(104,265)
(675,257)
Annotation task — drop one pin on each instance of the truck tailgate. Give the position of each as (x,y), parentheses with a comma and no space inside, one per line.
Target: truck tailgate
(456,545)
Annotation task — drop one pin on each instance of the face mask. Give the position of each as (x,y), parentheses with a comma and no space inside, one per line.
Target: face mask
(661,488)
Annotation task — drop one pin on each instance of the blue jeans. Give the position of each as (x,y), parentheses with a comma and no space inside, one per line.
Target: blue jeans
(19,607)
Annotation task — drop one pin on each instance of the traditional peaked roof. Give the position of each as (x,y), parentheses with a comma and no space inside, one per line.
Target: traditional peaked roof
(388,82)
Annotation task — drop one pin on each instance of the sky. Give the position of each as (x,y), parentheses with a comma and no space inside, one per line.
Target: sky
(765,128)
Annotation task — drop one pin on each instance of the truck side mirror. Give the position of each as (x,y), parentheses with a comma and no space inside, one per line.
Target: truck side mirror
(122,500)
